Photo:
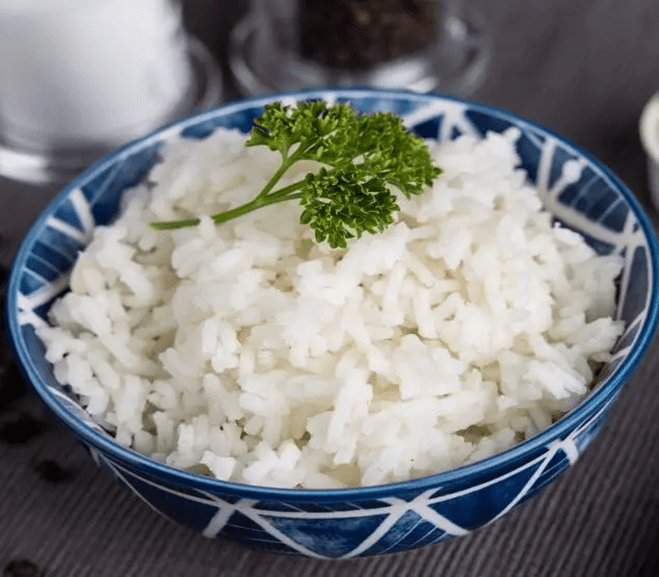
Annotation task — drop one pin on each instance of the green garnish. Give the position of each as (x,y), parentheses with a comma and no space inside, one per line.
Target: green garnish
(363,158)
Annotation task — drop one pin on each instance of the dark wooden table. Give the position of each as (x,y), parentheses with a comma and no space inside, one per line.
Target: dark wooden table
(584,68)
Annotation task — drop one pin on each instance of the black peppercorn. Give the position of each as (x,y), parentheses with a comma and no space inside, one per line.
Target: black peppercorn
(22,568)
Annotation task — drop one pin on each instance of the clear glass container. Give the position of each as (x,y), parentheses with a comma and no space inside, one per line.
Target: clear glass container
(81,77)
(649,131)
(423,45)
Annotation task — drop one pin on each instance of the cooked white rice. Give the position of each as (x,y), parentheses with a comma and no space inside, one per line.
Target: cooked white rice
(247,352)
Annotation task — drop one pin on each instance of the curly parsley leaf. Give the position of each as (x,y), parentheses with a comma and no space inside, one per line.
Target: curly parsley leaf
(365,159)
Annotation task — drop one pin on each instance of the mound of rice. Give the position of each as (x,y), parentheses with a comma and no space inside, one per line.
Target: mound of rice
(247,352)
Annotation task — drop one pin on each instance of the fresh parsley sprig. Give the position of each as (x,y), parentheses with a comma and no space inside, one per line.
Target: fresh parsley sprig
(365,158)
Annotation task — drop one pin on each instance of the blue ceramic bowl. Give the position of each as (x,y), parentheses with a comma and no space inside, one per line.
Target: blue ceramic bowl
(581,192)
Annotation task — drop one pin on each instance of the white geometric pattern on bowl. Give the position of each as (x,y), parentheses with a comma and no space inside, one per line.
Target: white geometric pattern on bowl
(425,519)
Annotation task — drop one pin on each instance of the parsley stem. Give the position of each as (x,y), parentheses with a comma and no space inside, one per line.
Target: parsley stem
(274,179)
(172,224)
(258,202)
(280,195)
(264,198)
(286,190)
(287,162)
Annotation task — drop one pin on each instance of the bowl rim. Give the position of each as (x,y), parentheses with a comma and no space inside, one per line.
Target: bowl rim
(596,401)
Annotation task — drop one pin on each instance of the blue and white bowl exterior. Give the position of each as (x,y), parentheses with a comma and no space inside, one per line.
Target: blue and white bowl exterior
(582,194)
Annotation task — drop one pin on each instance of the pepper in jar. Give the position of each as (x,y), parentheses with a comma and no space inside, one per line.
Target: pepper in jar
(357,34)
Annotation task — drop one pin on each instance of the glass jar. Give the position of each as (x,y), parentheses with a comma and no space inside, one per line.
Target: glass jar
(416,44)
(80,77)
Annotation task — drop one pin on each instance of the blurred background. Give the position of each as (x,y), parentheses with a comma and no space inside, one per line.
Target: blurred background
(584,68)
